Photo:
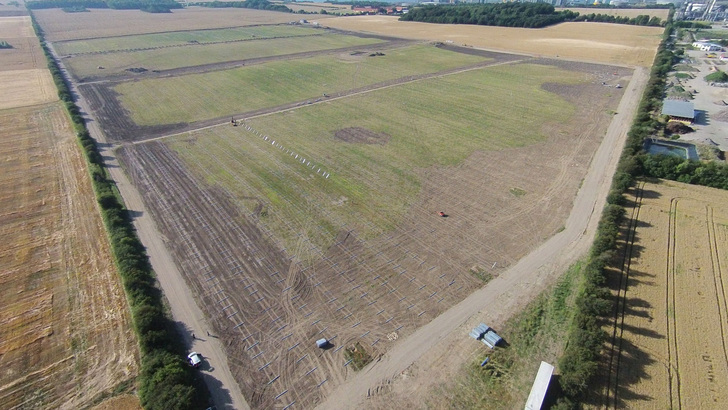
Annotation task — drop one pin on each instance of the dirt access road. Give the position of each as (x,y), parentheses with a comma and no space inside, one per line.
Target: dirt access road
(218,378)
(512,289)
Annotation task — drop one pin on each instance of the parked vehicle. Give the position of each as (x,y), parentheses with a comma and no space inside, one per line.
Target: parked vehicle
(195,359)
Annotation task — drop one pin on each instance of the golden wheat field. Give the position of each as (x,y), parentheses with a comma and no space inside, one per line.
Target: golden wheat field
(594,42)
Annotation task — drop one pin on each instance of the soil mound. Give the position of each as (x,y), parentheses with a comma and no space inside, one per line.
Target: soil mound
(358,135)
(674,127)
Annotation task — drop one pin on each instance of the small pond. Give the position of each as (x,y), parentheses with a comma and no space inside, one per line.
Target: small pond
(674,148)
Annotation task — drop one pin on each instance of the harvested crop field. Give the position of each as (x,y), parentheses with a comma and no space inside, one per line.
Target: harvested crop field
(596,42)
(669,342)
(26,53)
(98,23)
(65,337)
(279,254)
(21,88)
(65,331)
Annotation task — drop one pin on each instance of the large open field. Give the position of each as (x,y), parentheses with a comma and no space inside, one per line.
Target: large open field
(97,23)
(669,340)
(316,215)
(322,221)
(202,96)
(26,53)
(598,42)
(65,331)
(288,40)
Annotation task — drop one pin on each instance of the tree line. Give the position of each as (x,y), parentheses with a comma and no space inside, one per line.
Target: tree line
(165,381)
(247,4)
(594,304)
(526,15)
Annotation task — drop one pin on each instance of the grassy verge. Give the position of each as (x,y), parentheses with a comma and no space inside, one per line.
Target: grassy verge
(536,334)
(165,380)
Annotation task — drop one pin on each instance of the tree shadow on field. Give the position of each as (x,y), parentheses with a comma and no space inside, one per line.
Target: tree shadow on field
(632,368)
(650,194)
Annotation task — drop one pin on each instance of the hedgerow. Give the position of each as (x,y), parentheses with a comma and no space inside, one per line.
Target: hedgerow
(165,380)
(594,304)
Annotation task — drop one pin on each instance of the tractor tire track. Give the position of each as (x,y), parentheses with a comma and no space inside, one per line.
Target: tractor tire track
(673,366)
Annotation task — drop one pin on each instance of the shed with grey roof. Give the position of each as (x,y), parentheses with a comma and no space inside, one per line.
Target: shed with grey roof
(683,111)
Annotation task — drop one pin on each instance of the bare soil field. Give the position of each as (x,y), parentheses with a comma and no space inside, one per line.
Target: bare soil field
(661,13)
(60,25)
(616,44)
(269,302)
(65,334)
(668,347)
(26,87)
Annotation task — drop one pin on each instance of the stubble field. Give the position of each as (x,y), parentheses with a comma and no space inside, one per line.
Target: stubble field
(669,340)
(595,42)
(65,331)
(98,23)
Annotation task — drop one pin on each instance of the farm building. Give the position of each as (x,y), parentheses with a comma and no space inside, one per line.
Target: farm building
(706,46)
(682,111)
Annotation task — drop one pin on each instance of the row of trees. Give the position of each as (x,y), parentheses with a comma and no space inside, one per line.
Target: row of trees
(528,15)
(247,4)
(595,304)
(152,6)
(166,381)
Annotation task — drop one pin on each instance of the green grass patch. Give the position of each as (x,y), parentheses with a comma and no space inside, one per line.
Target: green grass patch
(176,57)
(683,75)
(358,355)
(517,192)
(437,122)
(686,67)
(215,94)
(145,41)
(717,77)
(536,334)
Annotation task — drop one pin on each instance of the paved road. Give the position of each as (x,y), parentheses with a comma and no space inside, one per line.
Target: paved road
(554,256)
(215,371)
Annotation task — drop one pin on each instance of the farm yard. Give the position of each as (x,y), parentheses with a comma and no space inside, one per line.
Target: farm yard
(313,211)
(669,339)
(65,334)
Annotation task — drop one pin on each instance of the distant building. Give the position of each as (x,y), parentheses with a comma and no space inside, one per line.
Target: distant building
(682,111)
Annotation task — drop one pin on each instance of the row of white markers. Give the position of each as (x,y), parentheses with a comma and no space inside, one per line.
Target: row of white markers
(300,158)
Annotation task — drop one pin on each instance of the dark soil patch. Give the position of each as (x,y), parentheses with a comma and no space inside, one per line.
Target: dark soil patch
(358,135)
